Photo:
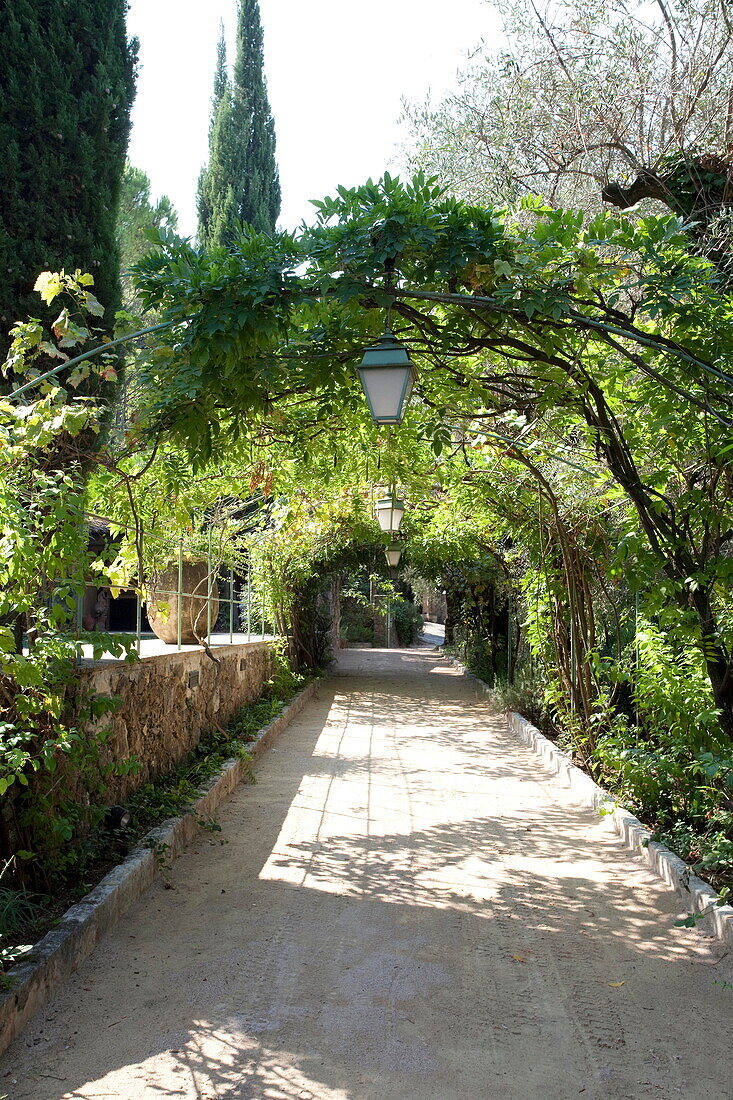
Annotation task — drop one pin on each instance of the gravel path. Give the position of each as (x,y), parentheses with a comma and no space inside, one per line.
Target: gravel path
(405,905)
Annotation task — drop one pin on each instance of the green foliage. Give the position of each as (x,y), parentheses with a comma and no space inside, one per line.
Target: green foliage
(19,911)
(672,692)
(525,696)
(225,351)
(306,541)
(21,915)
(44,564)
(301,537)
(685,794)
(566,455)
(138,221)
(357,617)
(560,331)
(240,184)
(66,89)
(408,622)
(672,767)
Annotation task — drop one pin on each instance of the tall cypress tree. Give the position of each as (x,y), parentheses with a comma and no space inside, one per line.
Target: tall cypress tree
(208,177)
(260,203)
(240,184)
(67,83)
(221,80)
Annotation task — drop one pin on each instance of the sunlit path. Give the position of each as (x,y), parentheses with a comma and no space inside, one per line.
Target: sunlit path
(405,905)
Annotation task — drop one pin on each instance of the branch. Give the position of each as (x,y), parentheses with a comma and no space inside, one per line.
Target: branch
(647,185)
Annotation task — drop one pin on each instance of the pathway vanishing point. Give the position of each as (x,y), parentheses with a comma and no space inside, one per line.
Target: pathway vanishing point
(405,905)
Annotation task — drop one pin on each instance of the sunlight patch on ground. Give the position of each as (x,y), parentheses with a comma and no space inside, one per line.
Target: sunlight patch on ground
(211,1062)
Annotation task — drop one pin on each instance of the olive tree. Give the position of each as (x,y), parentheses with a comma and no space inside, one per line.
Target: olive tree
(589,103)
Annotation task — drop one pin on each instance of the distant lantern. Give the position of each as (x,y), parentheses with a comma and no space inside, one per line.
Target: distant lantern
(393,553)
(387,376)
(389,514)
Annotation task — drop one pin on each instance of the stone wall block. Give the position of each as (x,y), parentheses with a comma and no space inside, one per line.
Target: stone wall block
(167,702)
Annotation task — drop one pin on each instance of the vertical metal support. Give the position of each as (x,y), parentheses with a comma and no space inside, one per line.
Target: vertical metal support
(509,640)
(179,607)
(79,609)
(389,624)
(249,599)
(231,606)
(139,605)
(208,590)
(80,621)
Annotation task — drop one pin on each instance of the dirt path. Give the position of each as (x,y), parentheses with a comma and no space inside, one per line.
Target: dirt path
(404,906)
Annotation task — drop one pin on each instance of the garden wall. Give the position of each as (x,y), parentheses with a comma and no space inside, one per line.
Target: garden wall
(167,701)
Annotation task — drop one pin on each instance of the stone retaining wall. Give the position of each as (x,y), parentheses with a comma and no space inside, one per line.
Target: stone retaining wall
(168,701)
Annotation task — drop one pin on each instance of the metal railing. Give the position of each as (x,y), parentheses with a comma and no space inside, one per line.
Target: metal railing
(244,607)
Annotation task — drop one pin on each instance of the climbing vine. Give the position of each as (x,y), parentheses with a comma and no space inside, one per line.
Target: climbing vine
(566,455)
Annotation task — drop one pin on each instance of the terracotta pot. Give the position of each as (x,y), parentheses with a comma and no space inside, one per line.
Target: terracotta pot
(163,604)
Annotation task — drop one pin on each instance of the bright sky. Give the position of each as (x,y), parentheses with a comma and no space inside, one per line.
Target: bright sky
(337,71)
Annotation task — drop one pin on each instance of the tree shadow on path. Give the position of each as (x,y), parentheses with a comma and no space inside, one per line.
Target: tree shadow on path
(377,928)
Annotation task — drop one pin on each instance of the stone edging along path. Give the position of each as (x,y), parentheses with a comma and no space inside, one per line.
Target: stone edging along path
(61,951)
(695,894)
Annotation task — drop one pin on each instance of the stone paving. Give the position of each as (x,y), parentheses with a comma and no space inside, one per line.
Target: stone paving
(405,905)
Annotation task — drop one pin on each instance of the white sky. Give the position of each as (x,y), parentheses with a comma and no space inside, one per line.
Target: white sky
(337,71)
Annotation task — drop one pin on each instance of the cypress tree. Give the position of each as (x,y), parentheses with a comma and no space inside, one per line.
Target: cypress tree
(208,177)
(221,79)
(67,83)
(240,184)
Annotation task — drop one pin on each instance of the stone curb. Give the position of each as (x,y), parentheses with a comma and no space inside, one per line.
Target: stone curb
(695,894)
(62,950)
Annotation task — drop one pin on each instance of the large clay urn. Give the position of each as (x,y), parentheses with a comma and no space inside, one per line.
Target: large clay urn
(163,603)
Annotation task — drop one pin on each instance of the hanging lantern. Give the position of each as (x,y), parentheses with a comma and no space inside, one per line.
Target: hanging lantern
(393,553)
(389,512)
(387,376)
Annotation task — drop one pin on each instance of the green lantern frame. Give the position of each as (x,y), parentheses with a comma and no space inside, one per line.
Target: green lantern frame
(389,512)
(387,375)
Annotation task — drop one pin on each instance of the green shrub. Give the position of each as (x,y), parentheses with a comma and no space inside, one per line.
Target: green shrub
(408,622)
(357,620)
(526,697)
(672,768)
